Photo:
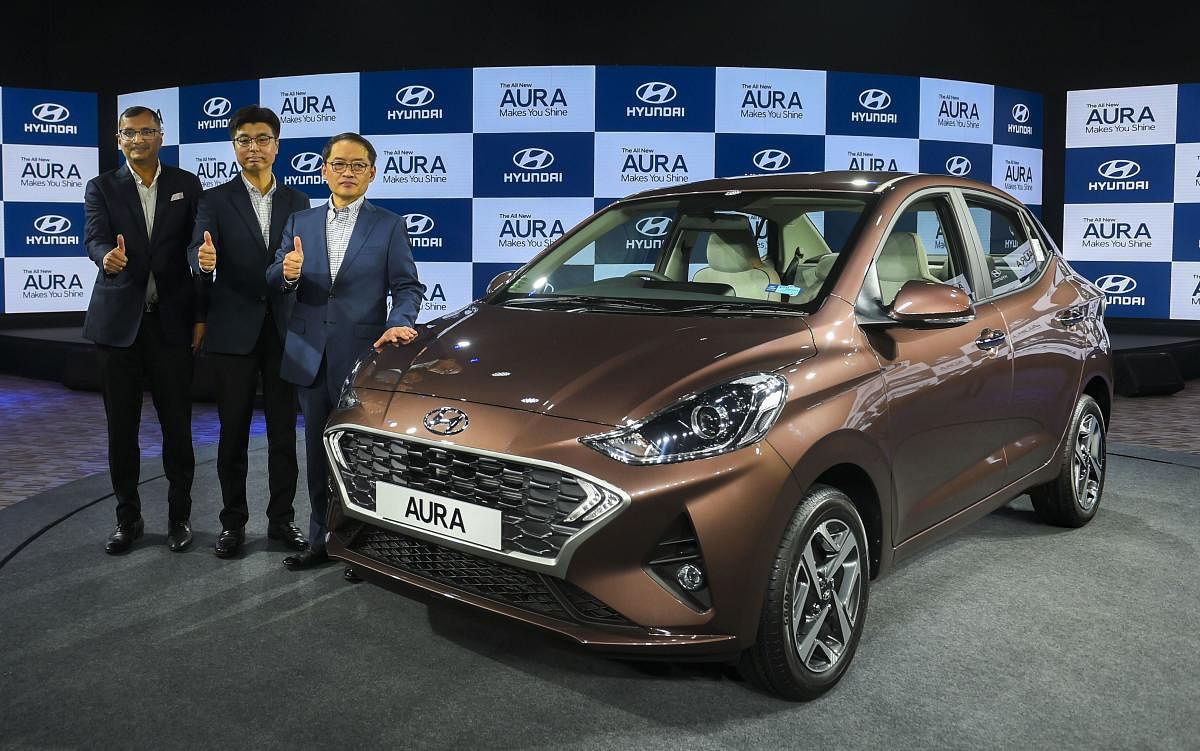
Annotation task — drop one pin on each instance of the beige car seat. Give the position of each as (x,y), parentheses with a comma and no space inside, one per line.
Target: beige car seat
(733,259)
(902,259)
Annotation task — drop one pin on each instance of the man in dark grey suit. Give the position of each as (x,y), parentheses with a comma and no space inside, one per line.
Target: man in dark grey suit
(146,317)
(239,224)
(357,256)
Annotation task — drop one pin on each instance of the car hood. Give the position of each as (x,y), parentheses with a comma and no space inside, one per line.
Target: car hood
(598,367)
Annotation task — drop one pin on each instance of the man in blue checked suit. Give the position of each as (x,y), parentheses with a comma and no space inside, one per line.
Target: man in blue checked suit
(341,261)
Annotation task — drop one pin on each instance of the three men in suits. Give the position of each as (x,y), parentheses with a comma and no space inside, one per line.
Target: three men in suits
(340,261)
(238,227)
(145,316)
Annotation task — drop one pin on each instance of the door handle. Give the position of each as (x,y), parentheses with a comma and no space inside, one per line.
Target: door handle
(990,339)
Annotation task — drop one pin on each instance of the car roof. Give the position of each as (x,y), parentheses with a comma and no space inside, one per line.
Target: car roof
(844,181)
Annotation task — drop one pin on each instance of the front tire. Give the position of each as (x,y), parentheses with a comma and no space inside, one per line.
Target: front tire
(816,600)
(1071,499)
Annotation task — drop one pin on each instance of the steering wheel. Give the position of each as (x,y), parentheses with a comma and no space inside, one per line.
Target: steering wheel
(653,276)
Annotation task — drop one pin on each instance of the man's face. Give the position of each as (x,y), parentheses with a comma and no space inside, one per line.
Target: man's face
(356,173)
(140,149)
(255,147)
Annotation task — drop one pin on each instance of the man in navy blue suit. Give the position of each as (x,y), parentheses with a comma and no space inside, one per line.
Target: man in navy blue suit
(239,223)
(357,256)
(146,318)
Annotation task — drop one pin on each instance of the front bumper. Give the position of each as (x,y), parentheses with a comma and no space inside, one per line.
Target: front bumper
(591,582)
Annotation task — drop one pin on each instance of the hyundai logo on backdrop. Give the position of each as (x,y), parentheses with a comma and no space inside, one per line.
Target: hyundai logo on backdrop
(533,158)
(52,224)
(959,166)
(656,92)
(217,106)
(1020,113)
(415,95)
(1119,169)
(772,160)
(654,226)
(307,161)
(875,99)
(49,112)
(1116,284)
(418,224)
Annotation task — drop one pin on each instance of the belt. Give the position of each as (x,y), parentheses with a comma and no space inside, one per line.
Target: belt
(150,307)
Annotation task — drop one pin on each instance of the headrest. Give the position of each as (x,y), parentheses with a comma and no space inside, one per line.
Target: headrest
(732,250)
(903,258)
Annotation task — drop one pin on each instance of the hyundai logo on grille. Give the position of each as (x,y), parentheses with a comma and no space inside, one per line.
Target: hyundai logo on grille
(533,158)
(414,96)
(654,226)
(656,92)
(50,112)
(52,224)
(307,161)
(446,421)
(1116,284)
(1119,169)
(875,99)
(772,160)
(418,224)
(1020,113)
(958,166)
(217,106)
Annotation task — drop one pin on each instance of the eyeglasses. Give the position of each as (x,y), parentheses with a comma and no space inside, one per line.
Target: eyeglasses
(338,166)
(263,141)
(129,133)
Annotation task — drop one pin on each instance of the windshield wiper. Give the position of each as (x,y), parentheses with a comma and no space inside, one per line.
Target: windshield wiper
(725,308)
(585,302)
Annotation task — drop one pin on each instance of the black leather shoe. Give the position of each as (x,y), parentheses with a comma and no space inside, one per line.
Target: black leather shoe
(289,533)
(228,542)
(123,536)
(308,559)
(179,536)
(351,575)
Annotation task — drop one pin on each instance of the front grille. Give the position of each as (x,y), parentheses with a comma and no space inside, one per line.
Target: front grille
(534,500)
(495,581)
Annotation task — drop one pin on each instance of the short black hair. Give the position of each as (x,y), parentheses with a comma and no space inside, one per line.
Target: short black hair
(136,110)
(349,137)
(252,113)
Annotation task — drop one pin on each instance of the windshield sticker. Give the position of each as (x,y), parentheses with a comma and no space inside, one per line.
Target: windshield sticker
(790,290)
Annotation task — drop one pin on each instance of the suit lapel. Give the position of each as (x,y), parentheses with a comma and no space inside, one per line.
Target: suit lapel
(241,204)
(280,212)
(362,230)
(162,200)
(126,180)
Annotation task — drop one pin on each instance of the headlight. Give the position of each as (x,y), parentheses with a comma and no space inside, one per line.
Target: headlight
(723,418)
(348,398)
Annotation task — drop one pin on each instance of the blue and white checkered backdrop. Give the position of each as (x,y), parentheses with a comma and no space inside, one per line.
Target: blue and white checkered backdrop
(492,164)
(1131,219)
(47,154)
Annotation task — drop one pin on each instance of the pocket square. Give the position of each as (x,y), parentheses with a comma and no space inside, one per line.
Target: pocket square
(177,196)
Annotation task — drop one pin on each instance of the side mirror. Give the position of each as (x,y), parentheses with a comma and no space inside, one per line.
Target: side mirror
(921,303)
(499,280)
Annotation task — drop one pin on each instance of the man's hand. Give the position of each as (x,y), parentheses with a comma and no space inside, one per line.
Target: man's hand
(395,336)
(293,262)
(207,254)
(115,259)
(197,335)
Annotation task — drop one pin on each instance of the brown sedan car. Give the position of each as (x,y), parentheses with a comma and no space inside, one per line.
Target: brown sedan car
(701,423)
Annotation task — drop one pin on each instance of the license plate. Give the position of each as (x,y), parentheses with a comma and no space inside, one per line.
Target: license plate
(435,514)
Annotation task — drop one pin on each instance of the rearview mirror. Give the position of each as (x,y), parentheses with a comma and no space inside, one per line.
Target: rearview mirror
(921,303)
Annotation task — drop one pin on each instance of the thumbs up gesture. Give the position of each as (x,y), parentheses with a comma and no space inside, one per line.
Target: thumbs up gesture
(115,259)
(207,254)
(293,261)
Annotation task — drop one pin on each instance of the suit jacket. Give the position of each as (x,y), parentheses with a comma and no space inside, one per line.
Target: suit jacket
(237,294)
(338,320)
(111,208)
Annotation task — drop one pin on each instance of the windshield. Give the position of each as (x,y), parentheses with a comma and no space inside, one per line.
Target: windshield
(738,253)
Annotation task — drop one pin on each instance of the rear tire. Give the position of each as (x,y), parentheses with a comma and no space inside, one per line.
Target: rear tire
(816,600)
(1071,499)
